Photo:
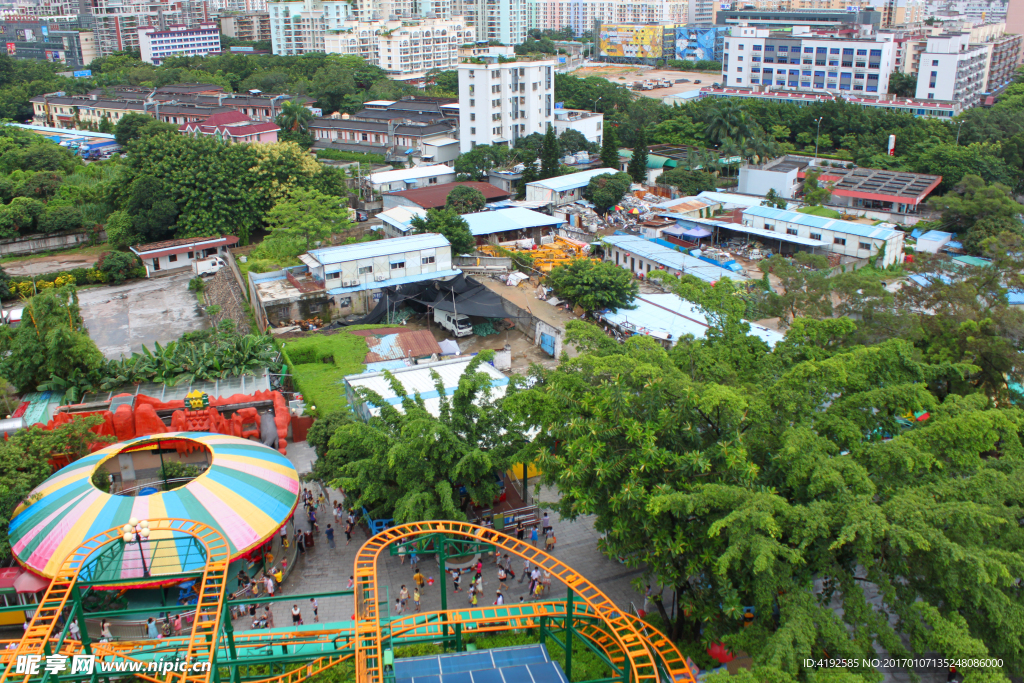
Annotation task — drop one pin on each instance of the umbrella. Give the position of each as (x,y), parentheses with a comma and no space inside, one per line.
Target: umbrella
(247,493)
(618,208)
(634,211)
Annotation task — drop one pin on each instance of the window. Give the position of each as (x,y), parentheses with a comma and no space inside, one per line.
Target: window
(472,117)
(808,50)
(876,53)
(191,255)
(769,48)
(364,270)
(740,58)
(806,73)
(862,53)
(833,51)
(426,259)
(838,240)
(935,62)
(757,47)
(472,131)
(401,264)
(172,258)
(866,246)
(432,181)
(848,51)
(816,236)
(333,276)
(783,48)
(791,231)
(741,46)
(739,69)
(345,303)
(833,62)
(822,50)
(931,96)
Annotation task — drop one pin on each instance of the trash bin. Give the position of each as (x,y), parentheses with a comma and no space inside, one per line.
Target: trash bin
(300,425)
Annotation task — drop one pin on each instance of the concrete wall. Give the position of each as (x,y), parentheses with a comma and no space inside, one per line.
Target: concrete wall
(758,181)
(33,244)
(542,327)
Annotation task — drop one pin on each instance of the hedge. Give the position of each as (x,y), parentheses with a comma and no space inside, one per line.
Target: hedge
(337,155)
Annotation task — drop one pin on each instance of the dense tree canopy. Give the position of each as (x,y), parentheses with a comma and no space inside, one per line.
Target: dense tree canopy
(450,224)
(465,199)
(606,190)
(594,285)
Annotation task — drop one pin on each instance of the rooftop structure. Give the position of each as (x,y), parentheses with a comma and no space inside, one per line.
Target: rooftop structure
(179,254)
(668,318)
(511,224)
(906,105)
(233,126)
(410,178)
(417,379)
(397,221)
(563,189)
(641,256)
(435,196)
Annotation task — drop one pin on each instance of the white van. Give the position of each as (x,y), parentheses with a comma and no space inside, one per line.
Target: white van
(208,266)
(456,323)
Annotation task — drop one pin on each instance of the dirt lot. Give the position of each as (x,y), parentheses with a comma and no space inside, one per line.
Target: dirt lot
(64,260)
(624,73)
(524,353)
(122,318)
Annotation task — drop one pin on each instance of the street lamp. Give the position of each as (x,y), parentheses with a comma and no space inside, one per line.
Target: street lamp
(958,131)
(596,101)
(135,531)
(816,137)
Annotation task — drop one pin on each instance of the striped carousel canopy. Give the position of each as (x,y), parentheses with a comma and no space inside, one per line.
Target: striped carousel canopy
(247,493)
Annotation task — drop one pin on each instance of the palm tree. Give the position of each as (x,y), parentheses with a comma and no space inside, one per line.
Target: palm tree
(293,117)
(727,120)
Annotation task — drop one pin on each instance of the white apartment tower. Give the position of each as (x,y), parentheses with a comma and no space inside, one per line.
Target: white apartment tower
(500,103)
(299,26)
(952,69)
(404,51)
(502,20)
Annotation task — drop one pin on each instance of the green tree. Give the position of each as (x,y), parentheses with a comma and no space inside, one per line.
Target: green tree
(549,158)
(475,163)
(971,200)
(19,216)
(106,126)
(135,126)
(410,465)
(609,148)
(727,120)
(774,199)
(121,230)
(304,219)
(51,341)
(153,211)
(118,266)
(814,193)
(25,461)
(465,199)
(572,141)
(606,190)
(776,495)
(988,227)
(903,85)
(450,224)
(57,218)
(804,284)
(637,168)
(687,182)
(594,285)
(293,117)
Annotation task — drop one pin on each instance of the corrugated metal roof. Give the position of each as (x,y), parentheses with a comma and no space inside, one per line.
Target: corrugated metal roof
(730,198)
(435,196)
(672,260)
(846,227)
(396,281)
(413,344)
(513,218)
(401,216)
(563,183)
(418,379)
(936,236)
(410,174)
(398,245)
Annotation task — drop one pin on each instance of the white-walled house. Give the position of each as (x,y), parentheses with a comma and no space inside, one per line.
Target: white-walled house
(171,256)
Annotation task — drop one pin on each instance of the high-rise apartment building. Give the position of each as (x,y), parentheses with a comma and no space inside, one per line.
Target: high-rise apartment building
(299,26)
(500,103)
(156,45)
(501,20)
(404,51)
(1015,22)
(760,57)
(247,26)
(581,15)
(953,69)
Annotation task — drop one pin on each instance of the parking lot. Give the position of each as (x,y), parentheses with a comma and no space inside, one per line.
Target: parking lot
(122,318)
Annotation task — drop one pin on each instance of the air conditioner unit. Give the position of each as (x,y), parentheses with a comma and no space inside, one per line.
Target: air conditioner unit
(347,283)
(379,278)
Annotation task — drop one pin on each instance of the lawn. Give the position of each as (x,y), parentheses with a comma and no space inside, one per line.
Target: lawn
(319,362)
(820,211)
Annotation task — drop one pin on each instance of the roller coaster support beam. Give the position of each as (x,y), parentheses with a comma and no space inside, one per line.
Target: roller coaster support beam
(229,632)
(570,630)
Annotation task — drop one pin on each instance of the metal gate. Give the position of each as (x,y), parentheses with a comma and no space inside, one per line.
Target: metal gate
(547,342)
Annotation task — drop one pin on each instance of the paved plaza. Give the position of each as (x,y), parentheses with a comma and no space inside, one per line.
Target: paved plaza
(323,569)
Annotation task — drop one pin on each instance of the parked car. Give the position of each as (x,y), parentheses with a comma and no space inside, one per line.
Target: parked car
(209,266)
(697,82)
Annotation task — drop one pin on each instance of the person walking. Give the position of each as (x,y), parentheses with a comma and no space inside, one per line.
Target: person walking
(526,570)
(151,629)
(418,579)
(403,595)
(348,532)
(106,636)
(456,578)
(316,610)
(533,536)
(500,600)
(330,537)
(177,624)
(416,597)
(269,616)
(300,541)
(501,575)
(284,535)
(545,523)
(398,605)
(268,582)
(520,531)
(296,615)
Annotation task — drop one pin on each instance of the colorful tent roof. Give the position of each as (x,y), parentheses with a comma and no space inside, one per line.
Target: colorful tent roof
(247,493)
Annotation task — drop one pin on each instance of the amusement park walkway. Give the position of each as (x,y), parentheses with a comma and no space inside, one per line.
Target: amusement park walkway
(323,569)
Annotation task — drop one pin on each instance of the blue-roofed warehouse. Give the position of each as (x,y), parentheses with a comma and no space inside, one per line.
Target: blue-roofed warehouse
(642,257)
(348,279)
(563,189)
(854,240)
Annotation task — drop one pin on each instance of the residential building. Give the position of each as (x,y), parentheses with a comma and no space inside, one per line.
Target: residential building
(232,127)
(299,26)
(636,43)
(859,64)
(156,45)
(247,26)
(500,20)
(500,103)
(411,178)
(640,257)
(406,51)
(411,109)
(1003,60)
(589,123)
(484,51)
(170,256)
(926,108)
(857,188)
(698,43)
(396,221)
(563,189)
(1015,22)
(783,19)
(582,15)
(952,69)
(117,25)
(435,196)
(847,238)
(405,142)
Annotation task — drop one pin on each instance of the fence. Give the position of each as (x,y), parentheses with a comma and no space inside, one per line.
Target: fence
(233,265)
(32,244)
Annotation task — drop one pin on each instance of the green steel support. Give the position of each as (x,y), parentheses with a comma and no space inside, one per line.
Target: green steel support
(458,637)
(442,560)
(78,613)
(570,631)
(543,629)
(229,632)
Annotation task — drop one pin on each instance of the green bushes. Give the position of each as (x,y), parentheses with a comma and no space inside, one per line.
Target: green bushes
(119,266)
(336,155)
(26,286)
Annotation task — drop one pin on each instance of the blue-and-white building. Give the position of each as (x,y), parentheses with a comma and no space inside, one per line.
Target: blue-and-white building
(642,257)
